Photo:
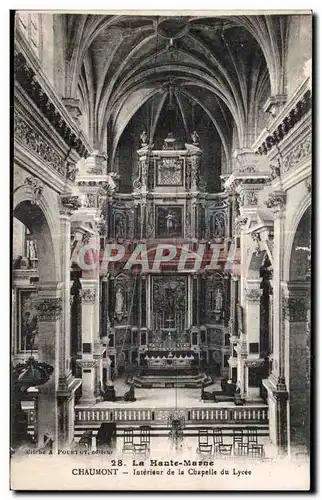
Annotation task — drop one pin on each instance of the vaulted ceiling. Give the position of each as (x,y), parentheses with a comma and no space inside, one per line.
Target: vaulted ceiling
(224,65)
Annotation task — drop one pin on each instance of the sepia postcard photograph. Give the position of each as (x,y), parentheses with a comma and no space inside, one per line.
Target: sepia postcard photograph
(161,250)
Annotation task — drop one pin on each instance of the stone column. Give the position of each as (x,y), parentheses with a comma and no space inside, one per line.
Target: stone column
(49,308)
(232,323)
(90,312)
(69,203)
(253,295)
(277,203)
(241,349)
(296,297)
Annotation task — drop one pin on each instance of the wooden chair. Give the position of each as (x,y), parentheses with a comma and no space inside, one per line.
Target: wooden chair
(217,437)
(205,450)
(242,449)
(224,450)
(145,435)
(141,450)
(237,437)
(252,436)
(128,445)
(256,451)
(203,436)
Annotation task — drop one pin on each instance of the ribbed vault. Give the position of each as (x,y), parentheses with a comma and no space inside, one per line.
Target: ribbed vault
(225,65)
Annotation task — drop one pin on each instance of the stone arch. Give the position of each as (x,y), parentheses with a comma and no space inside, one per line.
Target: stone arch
(39,218)
(291,235)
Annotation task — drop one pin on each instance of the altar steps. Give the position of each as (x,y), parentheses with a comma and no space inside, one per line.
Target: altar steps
(170,381)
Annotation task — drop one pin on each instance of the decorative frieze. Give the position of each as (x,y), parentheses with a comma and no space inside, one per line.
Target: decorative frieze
(49,309)
(36,143)
(294,116)
(248,198)
(88,295)
(37,186)
(300,152)
(295,308)
(27,78)
(253,295)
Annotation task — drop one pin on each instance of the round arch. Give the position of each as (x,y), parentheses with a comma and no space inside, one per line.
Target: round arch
(39,218)
(291,234)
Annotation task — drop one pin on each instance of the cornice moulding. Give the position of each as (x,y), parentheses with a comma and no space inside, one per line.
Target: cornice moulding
(28,70)
(297,95)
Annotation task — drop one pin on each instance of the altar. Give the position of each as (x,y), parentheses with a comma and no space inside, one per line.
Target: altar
(173,360)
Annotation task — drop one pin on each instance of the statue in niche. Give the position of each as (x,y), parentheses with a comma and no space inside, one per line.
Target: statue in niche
(119,226)
(218,300)
(195,138)
(29,330)
(32,253)
(119,303)
(169,221)
(219,226)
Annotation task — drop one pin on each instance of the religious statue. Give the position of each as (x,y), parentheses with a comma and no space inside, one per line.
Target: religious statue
(119,226)
(195,138)
(219,226)
(32,252)
(218,300)
(29,330)
(119,304)
(144,139)
(172,222)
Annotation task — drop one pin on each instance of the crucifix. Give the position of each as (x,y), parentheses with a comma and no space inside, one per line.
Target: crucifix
(169,320)
(169,339)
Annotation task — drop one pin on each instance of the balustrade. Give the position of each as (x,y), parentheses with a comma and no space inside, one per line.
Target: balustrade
(194,415)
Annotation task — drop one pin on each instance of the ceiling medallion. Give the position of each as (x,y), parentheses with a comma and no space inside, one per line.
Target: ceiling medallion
(173,27)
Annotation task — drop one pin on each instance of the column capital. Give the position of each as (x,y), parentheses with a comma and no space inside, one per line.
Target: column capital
(253,295)
(86,364)
(88,295)
(276,201)
(49,309)
(69,203)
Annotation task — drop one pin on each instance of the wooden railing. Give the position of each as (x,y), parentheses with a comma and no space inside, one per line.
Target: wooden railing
(246,414)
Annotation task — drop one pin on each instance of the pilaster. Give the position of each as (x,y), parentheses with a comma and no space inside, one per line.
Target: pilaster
(253,295)
(49,308)
(68,204)
(90,322)
(276,202)
(296,305)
